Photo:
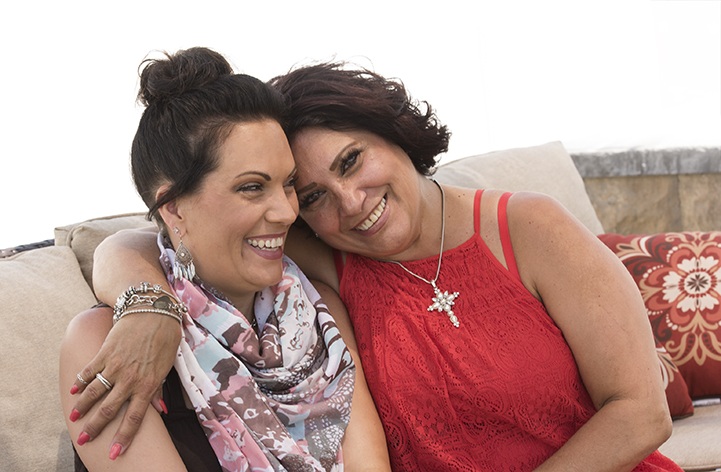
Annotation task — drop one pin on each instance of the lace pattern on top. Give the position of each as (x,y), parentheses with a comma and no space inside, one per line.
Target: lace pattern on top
(501,393)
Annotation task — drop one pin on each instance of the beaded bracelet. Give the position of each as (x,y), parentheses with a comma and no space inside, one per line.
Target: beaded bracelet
(162,302)
(176,316)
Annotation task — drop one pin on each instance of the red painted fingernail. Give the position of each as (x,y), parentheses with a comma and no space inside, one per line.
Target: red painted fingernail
(83,438)
(115,451)
(74,415)
(162,405)
(74,389)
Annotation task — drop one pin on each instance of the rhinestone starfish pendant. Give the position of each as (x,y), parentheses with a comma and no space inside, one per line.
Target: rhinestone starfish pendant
(443,301)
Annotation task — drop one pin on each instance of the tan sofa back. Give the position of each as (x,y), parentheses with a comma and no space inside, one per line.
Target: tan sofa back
(547,168)
(42,289)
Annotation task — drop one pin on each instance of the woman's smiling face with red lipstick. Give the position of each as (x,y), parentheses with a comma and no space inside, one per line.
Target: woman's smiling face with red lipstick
(235,225)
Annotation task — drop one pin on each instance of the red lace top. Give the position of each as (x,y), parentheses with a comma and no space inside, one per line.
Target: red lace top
(501,392)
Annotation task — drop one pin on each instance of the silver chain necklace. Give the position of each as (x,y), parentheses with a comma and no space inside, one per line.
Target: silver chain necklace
(442,301)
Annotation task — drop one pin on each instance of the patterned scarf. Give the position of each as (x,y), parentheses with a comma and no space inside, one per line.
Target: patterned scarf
(278,401)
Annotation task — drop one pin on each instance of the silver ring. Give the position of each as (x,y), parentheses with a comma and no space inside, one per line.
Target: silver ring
(108,386)
(81,379)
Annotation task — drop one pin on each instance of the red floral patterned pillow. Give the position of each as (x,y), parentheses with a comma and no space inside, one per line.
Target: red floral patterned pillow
(679,276)
(677,397)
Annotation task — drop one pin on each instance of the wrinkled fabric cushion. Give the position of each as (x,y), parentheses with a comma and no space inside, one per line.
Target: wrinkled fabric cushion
(694,444)
(85,236)
(42,290)
(546,168)
(678,275)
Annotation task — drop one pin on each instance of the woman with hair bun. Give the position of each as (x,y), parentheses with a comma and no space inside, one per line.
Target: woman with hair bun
(495,331)
(262,379)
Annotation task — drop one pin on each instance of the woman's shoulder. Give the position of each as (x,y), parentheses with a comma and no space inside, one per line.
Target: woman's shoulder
(546,237)
(98,313)
(94,320)
(532,213)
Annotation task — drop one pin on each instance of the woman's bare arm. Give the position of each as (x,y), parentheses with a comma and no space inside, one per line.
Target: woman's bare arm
(364,444)
(123,259)
(597,306)
(139,350)
(153,449)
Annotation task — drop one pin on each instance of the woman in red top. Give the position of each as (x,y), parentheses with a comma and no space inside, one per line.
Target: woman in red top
(496,332)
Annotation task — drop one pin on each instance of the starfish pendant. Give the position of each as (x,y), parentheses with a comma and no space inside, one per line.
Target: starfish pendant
(443,301)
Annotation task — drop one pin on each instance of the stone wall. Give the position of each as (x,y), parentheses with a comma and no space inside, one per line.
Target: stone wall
(652,191)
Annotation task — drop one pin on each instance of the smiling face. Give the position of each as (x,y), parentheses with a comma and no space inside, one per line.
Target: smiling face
(236,223)
(359,192)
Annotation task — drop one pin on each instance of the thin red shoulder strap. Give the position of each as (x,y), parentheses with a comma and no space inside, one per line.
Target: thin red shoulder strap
(505,234)
(477,212)
(338,259)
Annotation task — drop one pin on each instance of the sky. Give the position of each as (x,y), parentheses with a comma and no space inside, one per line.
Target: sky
(596,75)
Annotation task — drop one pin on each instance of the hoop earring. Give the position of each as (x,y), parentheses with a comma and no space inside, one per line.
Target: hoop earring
(183,267)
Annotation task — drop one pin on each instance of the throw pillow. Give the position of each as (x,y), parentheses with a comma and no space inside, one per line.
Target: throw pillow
(679,276)
(677,396)
(40,291)
(85,236)
(535,169)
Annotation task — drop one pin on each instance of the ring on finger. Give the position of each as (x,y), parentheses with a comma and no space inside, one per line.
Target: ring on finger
(81,379)
(106,383)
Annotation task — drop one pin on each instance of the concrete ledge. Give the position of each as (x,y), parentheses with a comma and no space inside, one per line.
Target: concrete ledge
(653,191)
(633,162)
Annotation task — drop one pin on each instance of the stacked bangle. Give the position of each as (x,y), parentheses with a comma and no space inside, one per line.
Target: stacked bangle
(158,301)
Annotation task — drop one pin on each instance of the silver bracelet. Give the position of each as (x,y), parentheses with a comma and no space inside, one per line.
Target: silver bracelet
(160,300)
(173,315)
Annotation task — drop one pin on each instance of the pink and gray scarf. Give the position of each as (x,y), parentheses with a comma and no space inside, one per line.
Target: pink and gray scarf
(280,400)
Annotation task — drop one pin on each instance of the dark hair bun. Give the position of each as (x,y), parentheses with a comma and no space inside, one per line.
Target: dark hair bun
(188,69)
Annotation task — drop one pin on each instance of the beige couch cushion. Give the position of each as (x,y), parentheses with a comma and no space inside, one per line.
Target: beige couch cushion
(547,168)
(85,236)
(41,291)
(695,443)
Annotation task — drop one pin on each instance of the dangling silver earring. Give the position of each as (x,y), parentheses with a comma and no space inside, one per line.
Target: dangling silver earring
(183,267)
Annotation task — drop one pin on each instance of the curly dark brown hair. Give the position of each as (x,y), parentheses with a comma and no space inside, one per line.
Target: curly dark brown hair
(341,97)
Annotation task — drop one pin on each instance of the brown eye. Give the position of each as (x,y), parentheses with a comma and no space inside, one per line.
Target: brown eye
(292,181)
(349,161)
(254,187)
(309,199)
